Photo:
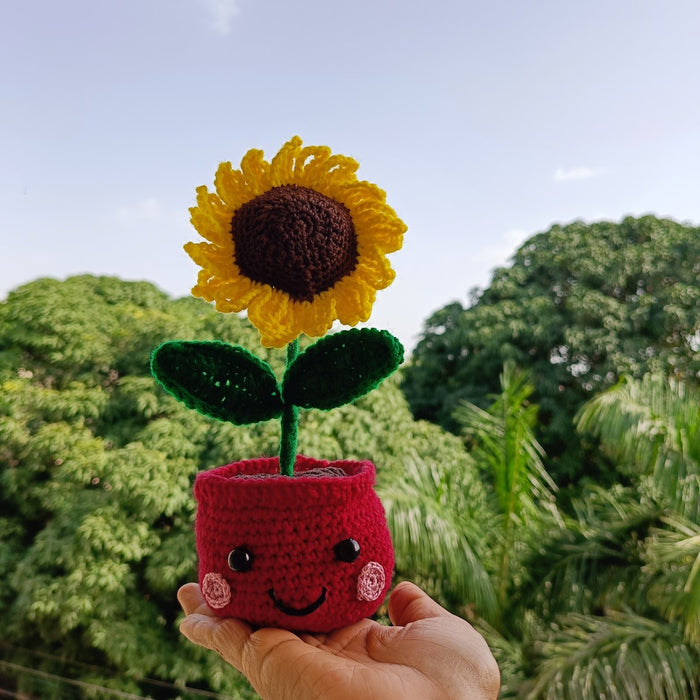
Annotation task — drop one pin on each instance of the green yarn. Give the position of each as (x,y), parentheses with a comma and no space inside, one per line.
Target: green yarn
(229,383)
(219,380)
(290,423)
(340,368)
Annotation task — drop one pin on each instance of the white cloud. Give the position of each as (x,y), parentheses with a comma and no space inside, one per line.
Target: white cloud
(564,174)
(221,14)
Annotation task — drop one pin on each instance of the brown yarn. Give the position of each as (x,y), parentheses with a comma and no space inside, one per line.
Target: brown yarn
(294,239)
(324,472)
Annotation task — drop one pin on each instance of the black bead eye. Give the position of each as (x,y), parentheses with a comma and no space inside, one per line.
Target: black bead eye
(347,550)
(240,559)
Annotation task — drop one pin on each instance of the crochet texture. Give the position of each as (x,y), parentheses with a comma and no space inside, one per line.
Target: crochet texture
(290,527)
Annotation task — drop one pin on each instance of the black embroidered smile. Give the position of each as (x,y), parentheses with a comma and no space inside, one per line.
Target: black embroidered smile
(298,612)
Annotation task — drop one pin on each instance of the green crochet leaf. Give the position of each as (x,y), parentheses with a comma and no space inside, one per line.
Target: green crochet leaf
(221,381)
(341,367)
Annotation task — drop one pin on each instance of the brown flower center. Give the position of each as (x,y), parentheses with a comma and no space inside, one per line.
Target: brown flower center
(294,239)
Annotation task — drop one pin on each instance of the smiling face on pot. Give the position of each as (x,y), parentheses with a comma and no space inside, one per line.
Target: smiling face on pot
(309,565)
(301,586)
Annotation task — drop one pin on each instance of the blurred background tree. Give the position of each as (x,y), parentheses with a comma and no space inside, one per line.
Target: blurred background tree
(581,305)
(595,594)
(616,589)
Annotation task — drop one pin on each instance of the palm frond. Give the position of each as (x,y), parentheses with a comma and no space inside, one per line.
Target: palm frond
(503,440)
(503,445)
(652,426)
(595,559)
(673,562)
(619,656)
(439,524)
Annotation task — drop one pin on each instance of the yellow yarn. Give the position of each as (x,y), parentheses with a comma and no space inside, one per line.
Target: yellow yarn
(278,317)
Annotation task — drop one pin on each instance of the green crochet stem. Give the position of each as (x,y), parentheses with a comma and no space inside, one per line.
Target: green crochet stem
(290,423)
(229,383)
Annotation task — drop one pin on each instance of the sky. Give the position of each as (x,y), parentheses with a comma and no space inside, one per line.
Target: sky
(485,123)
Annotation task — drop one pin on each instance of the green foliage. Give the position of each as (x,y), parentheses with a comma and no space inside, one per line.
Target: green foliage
(504,447)
(652,427)
(96,510)
(594,561)
(502,440)
(580,306)
(440,524)
(619,656)
(618,587)
(97,464)
(673,555)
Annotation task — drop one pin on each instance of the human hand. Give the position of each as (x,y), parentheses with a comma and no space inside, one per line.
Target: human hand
(428,653)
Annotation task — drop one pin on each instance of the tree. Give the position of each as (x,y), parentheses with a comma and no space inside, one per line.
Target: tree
(580,306)
(602,602)
(96,472)
(468,524)
(96,511)
(630,555)
(505,450)
(651,427)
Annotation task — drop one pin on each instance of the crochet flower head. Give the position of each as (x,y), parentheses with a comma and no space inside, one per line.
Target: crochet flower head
(299,242)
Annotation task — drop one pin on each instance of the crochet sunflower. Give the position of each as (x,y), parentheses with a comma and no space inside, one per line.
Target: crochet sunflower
(299,242)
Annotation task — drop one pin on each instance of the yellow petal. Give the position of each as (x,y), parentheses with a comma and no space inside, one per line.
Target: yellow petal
(227,302)
(353,300)
(209,227)
(256,171)
(281,166)
(211,258)
(202,291)
(268,312)
(378,228)
(322,174)
(307,161)
(231,187)
(210,203)
(316,317)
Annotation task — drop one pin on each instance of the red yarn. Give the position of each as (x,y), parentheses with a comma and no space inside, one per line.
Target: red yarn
(288,528)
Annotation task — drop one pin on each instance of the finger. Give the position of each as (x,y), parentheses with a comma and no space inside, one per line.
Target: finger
(275,650)
(409,603)
(275,661)
(203,627)
(191,599)
(225,636)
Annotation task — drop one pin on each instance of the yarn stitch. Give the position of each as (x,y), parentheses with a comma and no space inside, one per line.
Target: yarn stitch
(299,243)
(216,591)
(340,368)
(313,242)
(294,239)
(304,517)
(219,380)
(371,581)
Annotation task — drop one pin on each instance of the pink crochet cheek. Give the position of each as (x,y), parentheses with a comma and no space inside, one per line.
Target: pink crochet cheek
(216,590)
(371,581)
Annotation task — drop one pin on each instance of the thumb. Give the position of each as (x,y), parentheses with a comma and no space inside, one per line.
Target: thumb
(409,603)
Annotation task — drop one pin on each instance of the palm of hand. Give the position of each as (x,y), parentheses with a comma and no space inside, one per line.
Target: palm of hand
(429,653)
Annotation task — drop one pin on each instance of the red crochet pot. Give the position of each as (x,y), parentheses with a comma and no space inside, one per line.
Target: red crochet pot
(309,553)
